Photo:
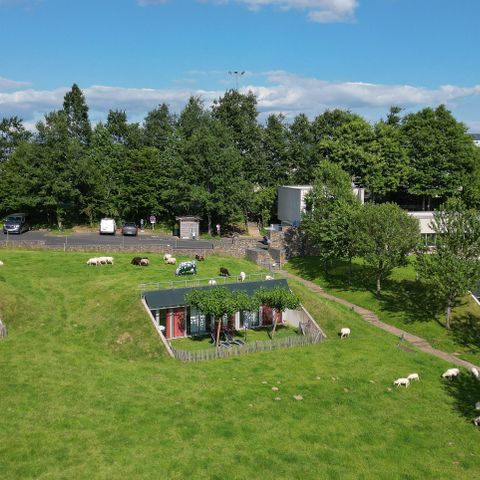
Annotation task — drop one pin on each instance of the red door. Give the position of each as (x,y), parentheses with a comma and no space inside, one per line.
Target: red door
(267,315)
(179,322)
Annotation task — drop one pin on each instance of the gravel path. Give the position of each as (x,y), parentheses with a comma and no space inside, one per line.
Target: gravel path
(372,318)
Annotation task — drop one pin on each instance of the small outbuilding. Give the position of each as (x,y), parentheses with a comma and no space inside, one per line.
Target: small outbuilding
(189,227)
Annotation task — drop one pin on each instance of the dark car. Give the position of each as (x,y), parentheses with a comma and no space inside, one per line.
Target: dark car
(16,223)
(129,229)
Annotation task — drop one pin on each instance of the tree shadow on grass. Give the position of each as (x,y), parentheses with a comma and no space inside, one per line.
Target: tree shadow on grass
(465,391)
(466,331)
(412,298)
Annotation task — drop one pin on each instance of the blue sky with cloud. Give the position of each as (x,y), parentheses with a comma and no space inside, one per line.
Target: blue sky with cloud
(298,55)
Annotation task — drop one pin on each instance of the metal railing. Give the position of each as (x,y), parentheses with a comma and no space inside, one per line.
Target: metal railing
(204,282)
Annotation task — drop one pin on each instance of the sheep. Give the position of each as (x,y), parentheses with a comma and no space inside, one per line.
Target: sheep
(268,277)
(242,276)
(200,258)
(344,332)
(414,376)
(166,257)
(93,261)
(451,373)
(212,282)
(224,272)
(105,260)
(144,262)
(475,373)
(476,421)
(401,381)
(171,261)
(136,260)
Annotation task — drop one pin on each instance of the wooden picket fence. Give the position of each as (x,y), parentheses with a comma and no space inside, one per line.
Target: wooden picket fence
(236,350)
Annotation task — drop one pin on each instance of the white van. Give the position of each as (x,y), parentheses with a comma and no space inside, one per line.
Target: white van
(107,226)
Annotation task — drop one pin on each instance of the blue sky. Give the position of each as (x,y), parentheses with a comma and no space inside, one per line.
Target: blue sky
(298,55)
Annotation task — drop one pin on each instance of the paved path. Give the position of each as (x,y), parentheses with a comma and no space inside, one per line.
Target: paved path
(372,318)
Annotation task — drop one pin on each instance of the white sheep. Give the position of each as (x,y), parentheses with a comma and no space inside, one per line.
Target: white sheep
(171,261)
(166,257)
(475,372)
(212,282)
(414,376)
(344,332)
(451,373)
(242,276)
(144,262)
(402,381)
(476,421)
(268,277)
(93,261)
(105,260)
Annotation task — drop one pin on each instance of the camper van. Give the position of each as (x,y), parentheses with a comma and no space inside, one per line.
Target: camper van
(107,226)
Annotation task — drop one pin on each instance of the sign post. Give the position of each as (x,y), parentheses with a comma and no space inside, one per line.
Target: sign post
(153,221)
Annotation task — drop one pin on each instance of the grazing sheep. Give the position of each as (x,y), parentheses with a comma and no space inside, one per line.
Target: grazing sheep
(242,276)
(93,261)
(476,421)
(144,262)
(414,376)
(268,277)
(224,272)
(401,381)
(212,282)
(166,257)
(475,373)
(344,332)
(105,260)
(200,258)
(451,373)
(136,260)
(171,261)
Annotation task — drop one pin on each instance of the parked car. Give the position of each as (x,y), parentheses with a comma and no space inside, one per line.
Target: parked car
(16,223)
(108,226)
(130,229)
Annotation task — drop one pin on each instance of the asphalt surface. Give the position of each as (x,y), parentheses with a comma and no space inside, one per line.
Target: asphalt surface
(95,239)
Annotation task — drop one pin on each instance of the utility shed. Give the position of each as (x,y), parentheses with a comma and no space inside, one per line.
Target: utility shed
(189,227)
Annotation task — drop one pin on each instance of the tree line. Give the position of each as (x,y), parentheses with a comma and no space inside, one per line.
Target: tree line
(222,163)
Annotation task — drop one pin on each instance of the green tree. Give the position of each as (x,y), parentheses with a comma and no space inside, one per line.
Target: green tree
(279,299)
(158,127)
(218,302)
(12,134)
(301,144)
(76,113)
(275,150)
(330,222)
(440,153)
(453,267)
(387,234)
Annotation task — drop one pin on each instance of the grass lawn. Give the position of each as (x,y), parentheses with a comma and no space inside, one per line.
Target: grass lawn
(263,334)
(403,303)
(86,391)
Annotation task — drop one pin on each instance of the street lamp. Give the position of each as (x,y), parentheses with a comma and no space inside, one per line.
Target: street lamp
(237,73)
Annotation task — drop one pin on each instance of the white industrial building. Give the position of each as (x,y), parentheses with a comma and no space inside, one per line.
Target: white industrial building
(291,206)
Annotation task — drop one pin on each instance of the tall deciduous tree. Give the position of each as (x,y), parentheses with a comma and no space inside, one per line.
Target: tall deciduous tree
(440,153)
(302,159)
(12,134)
(453,267)
(331,222)
(158,128)
(387,235)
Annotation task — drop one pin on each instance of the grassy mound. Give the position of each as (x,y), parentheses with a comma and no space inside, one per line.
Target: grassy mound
(87,392)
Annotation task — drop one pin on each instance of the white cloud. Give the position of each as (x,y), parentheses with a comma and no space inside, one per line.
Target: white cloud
(276,91)
(7,83)
(321,11)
